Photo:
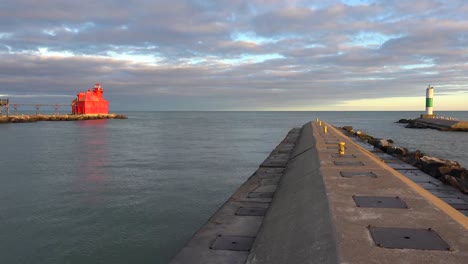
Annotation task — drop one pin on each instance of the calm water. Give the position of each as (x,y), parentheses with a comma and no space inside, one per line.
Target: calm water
(134,191)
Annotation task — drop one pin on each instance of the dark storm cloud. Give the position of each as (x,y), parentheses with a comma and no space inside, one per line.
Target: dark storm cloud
(233,54)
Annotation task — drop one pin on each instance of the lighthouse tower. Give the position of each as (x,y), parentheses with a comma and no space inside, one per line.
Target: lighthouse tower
(429,103)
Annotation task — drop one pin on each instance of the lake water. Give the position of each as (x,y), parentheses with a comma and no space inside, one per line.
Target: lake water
(135,190)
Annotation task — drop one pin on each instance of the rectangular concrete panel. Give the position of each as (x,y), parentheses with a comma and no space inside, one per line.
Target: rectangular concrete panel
(387,158)
(379,202)
(455,200)
(401,166)
(270,170)
(393,161)
(337,155)
(446,193)
(433,185)
(465,212)
(285,147)
(348,163)
(269,181)
(460,206)
(260,194)
(366,146)
(276,161)
(265,189)
(392,237)
(251,211)
(270,175)
(234,243)
(349,174)
(417,175)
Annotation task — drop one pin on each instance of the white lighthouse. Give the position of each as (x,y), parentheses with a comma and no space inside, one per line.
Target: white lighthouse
(429,103)
(429,100)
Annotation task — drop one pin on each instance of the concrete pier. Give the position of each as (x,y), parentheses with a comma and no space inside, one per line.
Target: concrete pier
(367,196)
(36,118)
(308,204)
(229,234)
(439,124)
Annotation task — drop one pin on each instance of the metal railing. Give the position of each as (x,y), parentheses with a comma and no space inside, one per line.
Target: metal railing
(7,107)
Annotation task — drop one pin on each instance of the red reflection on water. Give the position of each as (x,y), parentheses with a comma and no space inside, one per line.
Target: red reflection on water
(92,155)
(93,123)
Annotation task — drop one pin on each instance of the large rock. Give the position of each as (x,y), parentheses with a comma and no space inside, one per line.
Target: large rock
(414,158)
(383,143)
(415,125)
(404,121)
(397,151)
(438,167)
(364,136)
(458,178)
(379,143)
(440,162)
(372,141)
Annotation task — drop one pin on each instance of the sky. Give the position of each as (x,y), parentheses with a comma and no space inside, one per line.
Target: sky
(225,55)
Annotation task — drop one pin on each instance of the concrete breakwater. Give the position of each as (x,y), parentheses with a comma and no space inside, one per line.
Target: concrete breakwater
(35,118)
(308,204)
(229,234)
(447,171)
(435,123)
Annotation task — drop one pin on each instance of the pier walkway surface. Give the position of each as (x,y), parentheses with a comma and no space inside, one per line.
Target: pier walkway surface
(308,204)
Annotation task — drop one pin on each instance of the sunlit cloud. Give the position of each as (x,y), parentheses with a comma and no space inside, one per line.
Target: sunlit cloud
(416,66)
(371,39)
(252,37)
(248,59)
(140,58)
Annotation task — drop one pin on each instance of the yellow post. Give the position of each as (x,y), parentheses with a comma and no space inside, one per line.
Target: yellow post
(341,147)
(320,123)
(325,129)
(316,120)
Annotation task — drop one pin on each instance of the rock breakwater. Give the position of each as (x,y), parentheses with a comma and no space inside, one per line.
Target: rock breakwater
(448,171)
(35,118)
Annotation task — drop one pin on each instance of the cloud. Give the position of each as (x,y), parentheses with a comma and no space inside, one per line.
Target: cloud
(231,55)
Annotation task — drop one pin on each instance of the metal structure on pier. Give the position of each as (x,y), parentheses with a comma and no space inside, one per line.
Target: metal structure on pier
(5,106)
(4,103)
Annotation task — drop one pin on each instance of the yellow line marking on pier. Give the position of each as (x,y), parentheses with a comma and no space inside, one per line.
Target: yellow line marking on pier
(449,210)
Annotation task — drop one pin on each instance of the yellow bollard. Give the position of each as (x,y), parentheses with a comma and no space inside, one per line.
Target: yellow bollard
(325,129)
(316,120)
(341,147)
(320,123)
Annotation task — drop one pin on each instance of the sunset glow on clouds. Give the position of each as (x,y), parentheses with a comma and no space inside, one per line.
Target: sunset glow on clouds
(237,55)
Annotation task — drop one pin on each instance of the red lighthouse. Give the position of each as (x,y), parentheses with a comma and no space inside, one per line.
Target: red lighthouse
(90,102)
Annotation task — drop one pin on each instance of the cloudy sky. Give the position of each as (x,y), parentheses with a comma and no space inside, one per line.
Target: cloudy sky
(237,55)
